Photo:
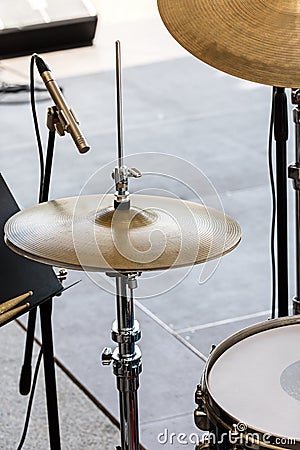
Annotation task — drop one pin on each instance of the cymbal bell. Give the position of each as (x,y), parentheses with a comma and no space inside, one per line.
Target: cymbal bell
(154,234)
(257,40)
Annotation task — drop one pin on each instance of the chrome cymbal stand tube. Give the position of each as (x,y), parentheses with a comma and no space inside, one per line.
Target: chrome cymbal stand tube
(294,174)
(126,358)
(121,172)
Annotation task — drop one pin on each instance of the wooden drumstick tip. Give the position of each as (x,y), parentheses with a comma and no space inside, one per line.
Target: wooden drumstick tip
(13,313)
(9,304)
(26,295)
(22,297)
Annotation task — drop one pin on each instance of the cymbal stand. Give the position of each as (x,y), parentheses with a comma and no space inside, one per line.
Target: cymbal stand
(294,174)
(126,358)
(281,137)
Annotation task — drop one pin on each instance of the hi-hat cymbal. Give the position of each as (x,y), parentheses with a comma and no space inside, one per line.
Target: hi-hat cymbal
(257,40)
(87,233)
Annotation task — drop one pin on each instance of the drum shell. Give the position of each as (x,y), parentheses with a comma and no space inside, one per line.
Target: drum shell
(219,422)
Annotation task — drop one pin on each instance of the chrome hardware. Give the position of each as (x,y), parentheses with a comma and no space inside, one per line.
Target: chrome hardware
(201,419)
(296,306)
(106,356)
(127,358)
(200,416)
(120,176)
(205,446)
(295,96)
(199,395)
(62,275)
(126,336)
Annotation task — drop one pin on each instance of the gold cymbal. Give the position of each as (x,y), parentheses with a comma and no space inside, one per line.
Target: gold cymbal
(257,40)
(156,233)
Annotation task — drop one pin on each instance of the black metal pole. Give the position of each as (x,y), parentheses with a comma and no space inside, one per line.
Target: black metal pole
(48,166)
(26,371)
(49,373)
(281,137)
(294,174)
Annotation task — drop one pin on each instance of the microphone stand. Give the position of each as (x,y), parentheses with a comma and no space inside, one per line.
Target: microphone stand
(45,316)
(60,119)
(281,137)
(294,174)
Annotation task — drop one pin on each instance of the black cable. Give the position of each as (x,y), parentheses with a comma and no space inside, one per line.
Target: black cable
(25,379)
(34,382)
(36,125)
(273,215)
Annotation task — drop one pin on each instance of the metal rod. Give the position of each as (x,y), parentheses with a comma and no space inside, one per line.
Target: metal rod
(297,244)
(128,415)
(119,104)
(127,366)
(125,314)
(297,214)
(281,137)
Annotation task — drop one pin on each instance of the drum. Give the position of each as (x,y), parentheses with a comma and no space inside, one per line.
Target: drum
(249,395)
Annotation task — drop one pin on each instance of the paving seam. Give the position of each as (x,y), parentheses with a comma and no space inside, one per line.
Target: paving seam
(223,322)
(171,331)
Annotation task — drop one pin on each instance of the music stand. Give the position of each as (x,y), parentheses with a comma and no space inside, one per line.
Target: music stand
(19,275)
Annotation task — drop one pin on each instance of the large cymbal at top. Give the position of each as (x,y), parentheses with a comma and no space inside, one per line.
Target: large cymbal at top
(257,40)
(156,233)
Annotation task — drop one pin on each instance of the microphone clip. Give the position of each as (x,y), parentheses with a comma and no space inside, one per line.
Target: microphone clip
(57,121)
(54,121)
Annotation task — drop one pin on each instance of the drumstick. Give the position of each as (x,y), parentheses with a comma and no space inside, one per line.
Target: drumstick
(10,315)
(6,306)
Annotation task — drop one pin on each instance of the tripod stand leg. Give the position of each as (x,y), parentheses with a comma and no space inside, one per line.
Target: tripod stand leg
(25,378)
(50,380)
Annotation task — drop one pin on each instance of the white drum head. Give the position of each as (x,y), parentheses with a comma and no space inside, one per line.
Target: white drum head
(257,381)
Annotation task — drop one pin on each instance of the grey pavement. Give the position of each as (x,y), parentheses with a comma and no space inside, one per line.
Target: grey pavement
(83,425)
(220,125)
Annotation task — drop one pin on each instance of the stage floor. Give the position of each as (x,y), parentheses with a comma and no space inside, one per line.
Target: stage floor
(174,105)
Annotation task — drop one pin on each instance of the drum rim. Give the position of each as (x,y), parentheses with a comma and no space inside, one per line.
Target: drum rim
(211,404)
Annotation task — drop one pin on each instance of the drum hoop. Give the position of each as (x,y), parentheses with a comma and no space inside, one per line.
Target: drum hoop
(211,405)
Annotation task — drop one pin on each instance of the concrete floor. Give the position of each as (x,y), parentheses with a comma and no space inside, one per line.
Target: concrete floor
(174,107)
(83,425)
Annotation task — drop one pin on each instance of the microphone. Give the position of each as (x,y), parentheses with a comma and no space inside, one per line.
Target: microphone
(70,123)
